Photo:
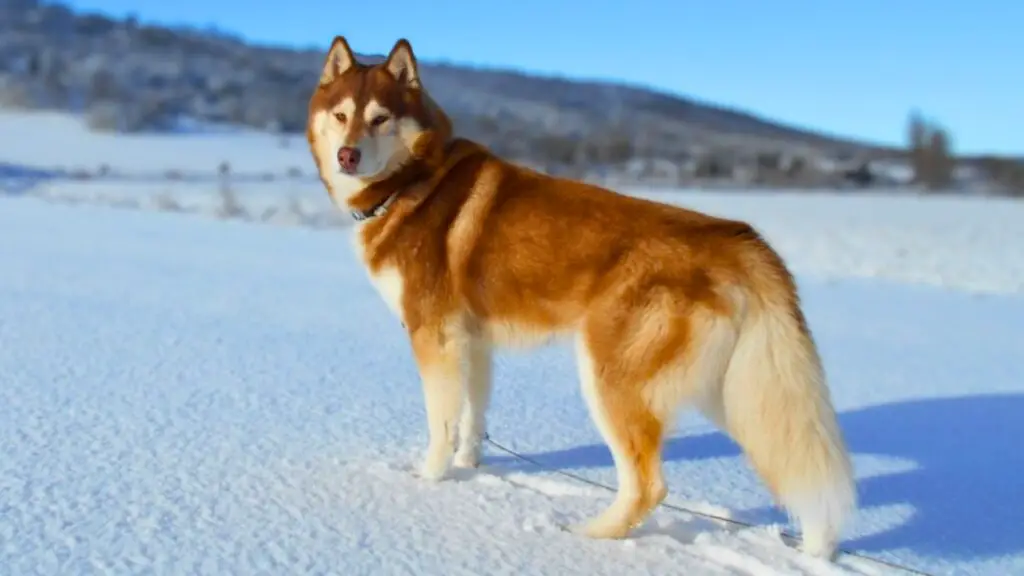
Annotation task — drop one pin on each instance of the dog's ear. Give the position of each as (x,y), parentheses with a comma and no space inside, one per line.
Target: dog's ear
(339,59)
(401,63)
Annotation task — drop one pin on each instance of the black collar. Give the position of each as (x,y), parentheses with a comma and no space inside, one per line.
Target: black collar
(378,210)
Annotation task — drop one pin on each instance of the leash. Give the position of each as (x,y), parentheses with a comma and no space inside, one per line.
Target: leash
(783,534)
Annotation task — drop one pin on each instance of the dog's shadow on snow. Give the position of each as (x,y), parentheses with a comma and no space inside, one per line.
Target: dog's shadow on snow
(966,483)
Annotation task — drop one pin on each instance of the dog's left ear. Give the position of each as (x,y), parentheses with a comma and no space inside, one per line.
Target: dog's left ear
(401,63)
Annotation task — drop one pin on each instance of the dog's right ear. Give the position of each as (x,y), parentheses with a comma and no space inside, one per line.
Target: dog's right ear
(339,59)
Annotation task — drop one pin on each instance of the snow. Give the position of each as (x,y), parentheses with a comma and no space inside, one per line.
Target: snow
(965,243)
(58,140)
(187,394)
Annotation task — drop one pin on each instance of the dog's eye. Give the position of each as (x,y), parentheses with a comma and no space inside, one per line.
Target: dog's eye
(341,117)
(378,120)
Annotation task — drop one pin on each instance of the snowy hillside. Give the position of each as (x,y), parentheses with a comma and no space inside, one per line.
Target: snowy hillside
(954,241)
(60,141)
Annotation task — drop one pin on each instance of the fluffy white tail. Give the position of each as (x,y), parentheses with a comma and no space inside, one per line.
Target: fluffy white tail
(774,402)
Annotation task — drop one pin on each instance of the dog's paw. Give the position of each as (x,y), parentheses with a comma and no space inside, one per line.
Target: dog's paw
(819,547)
(467,458)
(603,527)
(434,466)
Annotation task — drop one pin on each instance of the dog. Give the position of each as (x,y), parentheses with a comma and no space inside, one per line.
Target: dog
(667,307)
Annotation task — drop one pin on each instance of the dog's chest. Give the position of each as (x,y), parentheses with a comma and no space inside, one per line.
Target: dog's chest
(387,280)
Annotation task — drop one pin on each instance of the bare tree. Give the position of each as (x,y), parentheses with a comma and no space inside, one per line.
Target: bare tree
(917,136)
(940,162)
(931,155)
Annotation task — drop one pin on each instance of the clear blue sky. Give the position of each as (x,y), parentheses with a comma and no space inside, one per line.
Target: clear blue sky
(851,68)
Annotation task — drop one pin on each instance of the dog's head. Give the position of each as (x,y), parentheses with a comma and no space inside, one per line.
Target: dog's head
(367,122)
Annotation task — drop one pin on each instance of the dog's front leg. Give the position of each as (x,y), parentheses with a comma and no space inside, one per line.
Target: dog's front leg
(478,395)
(442,357)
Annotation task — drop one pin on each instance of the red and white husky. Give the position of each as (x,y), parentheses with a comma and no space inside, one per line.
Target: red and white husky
(667,307)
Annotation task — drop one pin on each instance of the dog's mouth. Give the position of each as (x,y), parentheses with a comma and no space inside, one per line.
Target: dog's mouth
(366,172)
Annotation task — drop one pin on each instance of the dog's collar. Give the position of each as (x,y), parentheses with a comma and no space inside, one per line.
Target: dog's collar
(378,210)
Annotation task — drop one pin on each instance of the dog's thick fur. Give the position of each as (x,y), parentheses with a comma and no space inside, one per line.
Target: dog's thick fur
(668,307)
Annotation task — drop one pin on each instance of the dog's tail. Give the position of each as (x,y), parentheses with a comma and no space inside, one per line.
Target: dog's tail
(773,400)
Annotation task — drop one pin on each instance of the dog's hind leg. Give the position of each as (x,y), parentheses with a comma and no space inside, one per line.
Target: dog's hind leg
(633,433)
(639,364)
(478,396)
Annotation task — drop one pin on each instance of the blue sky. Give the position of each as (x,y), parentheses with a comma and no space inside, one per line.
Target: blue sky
(851,68)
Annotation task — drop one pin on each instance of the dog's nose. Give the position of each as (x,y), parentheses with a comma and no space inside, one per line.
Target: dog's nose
(348,157)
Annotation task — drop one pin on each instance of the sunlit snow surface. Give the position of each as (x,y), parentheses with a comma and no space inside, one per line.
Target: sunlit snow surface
(181,394)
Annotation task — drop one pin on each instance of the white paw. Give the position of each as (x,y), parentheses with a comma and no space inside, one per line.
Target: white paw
(819,547)
(467,457)
(434,465)
(601,528)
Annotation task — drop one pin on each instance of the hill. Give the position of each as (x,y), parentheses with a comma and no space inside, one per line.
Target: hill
(126,76)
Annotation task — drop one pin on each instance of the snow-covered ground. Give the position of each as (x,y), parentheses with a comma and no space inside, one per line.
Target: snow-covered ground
(189,395)
(61,141)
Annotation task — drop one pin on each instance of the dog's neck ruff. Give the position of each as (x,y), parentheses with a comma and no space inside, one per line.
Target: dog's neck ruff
(378,210)
(458,150)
